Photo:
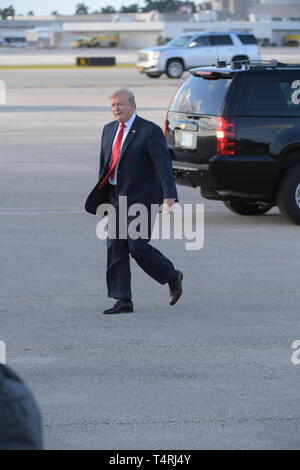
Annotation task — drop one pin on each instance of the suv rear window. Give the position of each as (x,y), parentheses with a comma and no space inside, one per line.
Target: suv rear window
(200,96)
(273,98)
(247,38)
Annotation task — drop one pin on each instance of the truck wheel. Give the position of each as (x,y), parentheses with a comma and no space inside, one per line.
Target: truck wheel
(153,74)
(288,194)
(174,68)
(247,208)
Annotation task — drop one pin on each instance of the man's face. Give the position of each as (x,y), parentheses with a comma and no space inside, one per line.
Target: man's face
(121,107)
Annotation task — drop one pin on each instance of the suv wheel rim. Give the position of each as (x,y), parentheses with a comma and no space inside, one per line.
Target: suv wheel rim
(175,69)
(297,195)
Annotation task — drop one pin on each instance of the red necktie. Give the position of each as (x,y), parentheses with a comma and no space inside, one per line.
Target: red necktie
(114,155)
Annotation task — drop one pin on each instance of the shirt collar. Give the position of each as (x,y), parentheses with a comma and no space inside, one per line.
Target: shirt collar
(128,123)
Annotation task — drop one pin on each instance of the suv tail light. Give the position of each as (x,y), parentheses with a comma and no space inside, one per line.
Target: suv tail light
(226,138)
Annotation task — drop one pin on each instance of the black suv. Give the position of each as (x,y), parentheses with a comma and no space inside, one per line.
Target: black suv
(235,132)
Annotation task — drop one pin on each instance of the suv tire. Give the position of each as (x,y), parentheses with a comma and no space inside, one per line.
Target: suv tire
(153,74)
(174,68)
(288,194)
(247,208)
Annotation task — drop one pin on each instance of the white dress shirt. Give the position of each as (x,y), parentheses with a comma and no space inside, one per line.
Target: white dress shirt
(128,125)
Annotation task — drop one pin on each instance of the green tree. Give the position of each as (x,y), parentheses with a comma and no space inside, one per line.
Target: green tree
(30,13)
(133,8)
(6,12)
(81,9)
(165,6)
(108,9)
(161,5)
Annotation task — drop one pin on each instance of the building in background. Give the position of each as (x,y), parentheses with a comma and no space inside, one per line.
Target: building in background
(276,10)
(227,9)
(284,15)
(271,21)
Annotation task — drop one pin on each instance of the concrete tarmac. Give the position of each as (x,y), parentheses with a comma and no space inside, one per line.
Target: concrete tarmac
(212,372)
(34,56)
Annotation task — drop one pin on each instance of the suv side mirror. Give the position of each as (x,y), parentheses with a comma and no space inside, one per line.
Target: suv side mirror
(193,44)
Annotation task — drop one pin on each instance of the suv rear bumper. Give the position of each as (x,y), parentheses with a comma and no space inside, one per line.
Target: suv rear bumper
(192,174)
(236,174)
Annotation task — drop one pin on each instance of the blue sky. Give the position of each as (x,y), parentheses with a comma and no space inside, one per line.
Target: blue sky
(66,7)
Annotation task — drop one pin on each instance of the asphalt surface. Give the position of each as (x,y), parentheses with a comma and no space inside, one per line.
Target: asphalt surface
(212,372)
(67,56)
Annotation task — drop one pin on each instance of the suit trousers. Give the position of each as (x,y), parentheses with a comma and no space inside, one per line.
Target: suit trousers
(151,260)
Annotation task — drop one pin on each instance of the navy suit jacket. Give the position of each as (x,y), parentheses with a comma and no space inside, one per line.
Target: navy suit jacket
(145,169)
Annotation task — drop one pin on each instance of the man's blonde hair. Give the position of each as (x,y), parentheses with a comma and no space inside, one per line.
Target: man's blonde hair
(124,91)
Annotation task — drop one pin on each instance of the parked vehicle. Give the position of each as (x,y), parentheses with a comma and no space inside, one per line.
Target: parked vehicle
(196,49)
(292,40)
(234,131)
(17,44)
(105,40)
(100,40)
(80,42)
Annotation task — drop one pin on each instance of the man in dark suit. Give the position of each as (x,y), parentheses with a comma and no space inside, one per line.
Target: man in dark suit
(134,162)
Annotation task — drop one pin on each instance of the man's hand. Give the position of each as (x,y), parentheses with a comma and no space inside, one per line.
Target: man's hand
(167,204)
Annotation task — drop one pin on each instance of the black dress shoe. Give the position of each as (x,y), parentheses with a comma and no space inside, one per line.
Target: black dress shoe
(176,288)
(120,307)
